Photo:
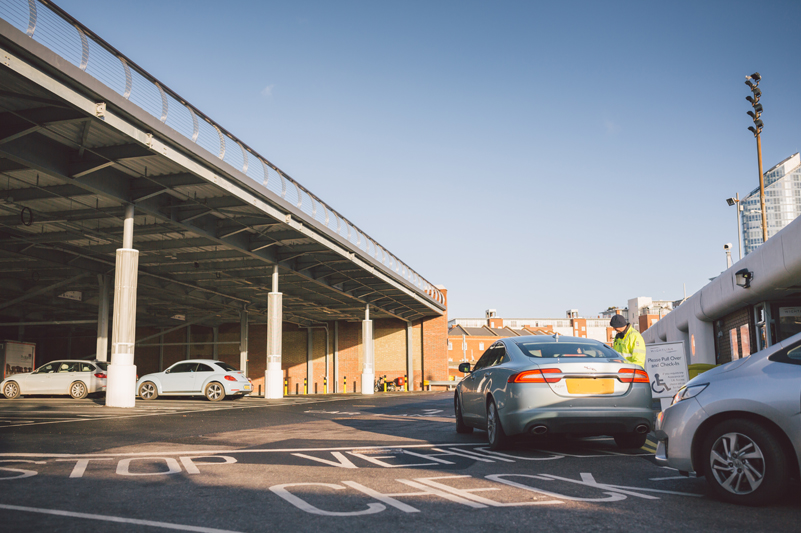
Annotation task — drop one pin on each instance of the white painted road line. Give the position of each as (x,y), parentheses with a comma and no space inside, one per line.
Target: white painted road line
(117,519)
(136,414)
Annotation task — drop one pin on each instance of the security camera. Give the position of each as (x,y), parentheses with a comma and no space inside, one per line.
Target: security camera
(727,246)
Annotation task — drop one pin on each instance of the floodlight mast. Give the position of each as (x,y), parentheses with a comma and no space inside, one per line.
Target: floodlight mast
(753,83)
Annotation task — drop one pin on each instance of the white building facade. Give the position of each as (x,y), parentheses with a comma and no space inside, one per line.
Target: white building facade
(782,202)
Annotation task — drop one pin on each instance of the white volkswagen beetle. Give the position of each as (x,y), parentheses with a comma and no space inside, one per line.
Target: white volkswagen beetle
(75,377)
(196,377)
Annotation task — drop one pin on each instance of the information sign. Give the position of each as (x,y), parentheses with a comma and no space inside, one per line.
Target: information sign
(18,357)
(666,365)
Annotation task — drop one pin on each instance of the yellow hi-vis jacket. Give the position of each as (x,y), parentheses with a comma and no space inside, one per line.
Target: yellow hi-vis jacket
(631,346)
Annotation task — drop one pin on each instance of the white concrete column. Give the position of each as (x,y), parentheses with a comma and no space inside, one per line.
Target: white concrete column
(121,383)
(335,384)
(243,342)
(702,342)
(409,356)
(368,370)
(273,375)
(102,318)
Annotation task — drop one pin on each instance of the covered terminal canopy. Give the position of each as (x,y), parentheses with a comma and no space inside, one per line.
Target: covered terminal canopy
(212,217)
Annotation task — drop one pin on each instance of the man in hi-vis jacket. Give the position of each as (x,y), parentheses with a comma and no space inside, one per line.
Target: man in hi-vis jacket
(628,341)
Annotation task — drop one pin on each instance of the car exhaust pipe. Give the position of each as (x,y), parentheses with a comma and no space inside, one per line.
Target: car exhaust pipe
(539,430)
(642,428)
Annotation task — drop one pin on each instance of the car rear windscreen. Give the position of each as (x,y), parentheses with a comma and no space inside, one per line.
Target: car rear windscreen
(101,365)
(549,350)
(226,366)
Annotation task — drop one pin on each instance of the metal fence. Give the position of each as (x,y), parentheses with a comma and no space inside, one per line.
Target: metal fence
(50,26)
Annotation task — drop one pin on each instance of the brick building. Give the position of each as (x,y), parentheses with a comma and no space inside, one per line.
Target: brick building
(469,337)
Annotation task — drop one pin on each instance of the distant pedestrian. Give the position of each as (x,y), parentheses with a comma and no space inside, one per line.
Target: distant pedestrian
(628,341)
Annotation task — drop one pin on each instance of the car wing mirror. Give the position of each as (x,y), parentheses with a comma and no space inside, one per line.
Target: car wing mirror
(464,368)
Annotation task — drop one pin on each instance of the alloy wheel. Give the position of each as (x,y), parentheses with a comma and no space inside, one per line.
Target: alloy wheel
(737,463)
(214,391)
(78,390)
(11,390)
(147,390)
(492,423)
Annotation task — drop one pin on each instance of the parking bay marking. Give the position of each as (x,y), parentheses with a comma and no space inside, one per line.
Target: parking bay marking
(432,487)
(358,449)
(117,519)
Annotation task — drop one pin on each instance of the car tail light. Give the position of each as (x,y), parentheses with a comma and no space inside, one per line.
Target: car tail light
(633,375)
(230,378)
(536,376)
(100,375)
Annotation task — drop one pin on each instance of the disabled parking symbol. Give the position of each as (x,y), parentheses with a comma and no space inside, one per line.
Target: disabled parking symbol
(659,383)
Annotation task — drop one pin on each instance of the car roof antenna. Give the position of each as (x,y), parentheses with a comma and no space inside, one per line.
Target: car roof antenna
(556,336)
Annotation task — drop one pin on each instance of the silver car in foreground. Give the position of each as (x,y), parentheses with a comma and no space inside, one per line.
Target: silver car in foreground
(554,385)
(739,425)
(196,377)
(75,377)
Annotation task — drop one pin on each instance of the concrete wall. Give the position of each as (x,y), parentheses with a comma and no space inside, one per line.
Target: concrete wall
(777,269)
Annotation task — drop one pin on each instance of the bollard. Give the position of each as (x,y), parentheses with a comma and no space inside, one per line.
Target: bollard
(315,387)
(297,389)
(305,387)
(286,387)
(325,385)
(259,390)
(355,382)
(345,385)
(405,383)
(385,383)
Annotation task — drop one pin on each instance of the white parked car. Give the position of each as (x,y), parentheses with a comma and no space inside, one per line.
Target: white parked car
(196,377)
(75,377)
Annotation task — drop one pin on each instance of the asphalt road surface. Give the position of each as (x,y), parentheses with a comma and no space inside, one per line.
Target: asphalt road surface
(349,463)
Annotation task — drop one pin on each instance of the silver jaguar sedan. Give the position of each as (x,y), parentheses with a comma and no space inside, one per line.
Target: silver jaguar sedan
(739,425)
(554,385)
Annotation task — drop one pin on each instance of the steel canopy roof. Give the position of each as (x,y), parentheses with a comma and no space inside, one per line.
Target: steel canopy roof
(74,153)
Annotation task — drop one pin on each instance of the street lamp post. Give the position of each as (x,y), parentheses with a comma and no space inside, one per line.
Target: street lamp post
(753,83)
(736,202)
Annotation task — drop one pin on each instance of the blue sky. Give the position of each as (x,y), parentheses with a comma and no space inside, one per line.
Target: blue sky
(530,156)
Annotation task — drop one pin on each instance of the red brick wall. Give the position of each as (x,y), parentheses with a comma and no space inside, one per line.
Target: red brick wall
(646,321)
(435,346)
(429,350)
(350,354)
(580,327)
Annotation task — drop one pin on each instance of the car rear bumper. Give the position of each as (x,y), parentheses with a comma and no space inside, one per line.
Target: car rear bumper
(578,421)
(236,388)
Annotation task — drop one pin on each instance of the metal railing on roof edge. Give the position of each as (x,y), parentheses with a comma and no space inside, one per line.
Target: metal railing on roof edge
(54,28)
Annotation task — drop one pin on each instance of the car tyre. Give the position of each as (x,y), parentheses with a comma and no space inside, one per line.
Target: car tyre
(495,433)
(630,440)
(744,463)
(79,390)
(148,391)
(214,392)
(461,427)
(11,390)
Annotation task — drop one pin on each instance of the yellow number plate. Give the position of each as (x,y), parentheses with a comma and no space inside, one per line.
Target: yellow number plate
(590,386)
